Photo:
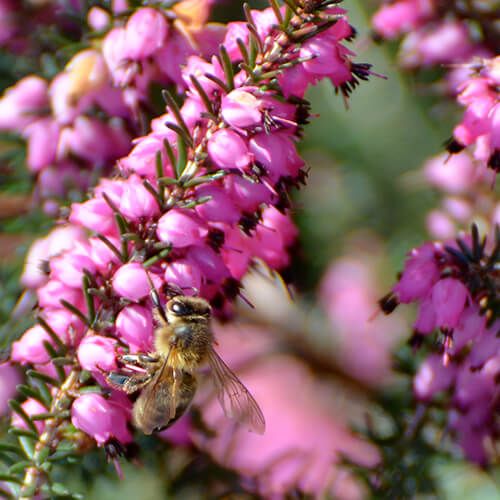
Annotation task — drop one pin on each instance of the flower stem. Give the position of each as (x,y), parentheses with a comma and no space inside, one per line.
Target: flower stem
(60,403)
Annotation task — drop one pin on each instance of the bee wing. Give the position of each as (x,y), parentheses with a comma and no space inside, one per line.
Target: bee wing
(164,387)
(234,397)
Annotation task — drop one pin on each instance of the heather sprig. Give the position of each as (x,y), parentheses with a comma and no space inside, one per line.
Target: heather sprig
(456,286)
(196,201)
(77,123)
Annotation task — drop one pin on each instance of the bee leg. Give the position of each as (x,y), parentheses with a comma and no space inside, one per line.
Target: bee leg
(142,360)
(128,383)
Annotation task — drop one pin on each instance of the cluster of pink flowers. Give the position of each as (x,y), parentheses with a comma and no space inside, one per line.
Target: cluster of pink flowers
(80,123)
(480,125)
(456,289)
(196,201)
(467,195)
(437,33)
(348,293)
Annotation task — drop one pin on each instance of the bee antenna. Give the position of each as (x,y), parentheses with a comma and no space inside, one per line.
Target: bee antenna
(195,290)
(155,298)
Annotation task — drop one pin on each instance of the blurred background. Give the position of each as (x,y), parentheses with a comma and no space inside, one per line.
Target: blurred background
(327,366)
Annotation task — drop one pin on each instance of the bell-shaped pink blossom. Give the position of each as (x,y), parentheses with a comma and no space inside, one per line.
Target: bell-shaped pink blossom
(449,297)
(30,347)
(433,377)
(98,18)
(115,52)
(100,418)
(181,228)
(53,291)
(69,267)
(219,207)
(67,326)
(240,109)
(210,263)
(94,214)
(419,275)
(137,202)
(273,219)
(277,154)
(235,30)
(131,281)
(185,274)
(31,407)
(102,255)
(236,252)
(426,318)
(146,31)
(97,353)
(228,150)
(471,326)
(21,104)
(134,325)
(43,138)
(246,194)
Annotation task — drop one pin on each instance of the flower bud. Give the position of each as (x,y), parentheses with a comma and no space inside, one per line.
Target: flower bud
(9,378)
(30,347)
(134,324)
(31,407)
(137,201)
(131,281)
(97,353)
(146,31)
(185,274)
(432,377)
(219,208)
(449,297)
(181,228)
(228,150)
(100,418)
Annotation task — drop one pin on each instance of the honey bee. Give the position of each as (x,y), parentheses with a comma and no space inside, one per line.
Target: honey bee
(183,342)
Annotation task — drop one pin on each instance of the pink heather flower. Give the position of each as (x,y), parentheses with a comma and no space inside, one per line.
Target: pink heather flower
(137,202)
(97,353)
(247,195)
(277,154)
(102,256)
(228,150)
(470,326)
(219,207)
(31,407)
(440,225)
(94,214)
(43,138)
(9,378)
(363,343)
(65,324)
(452,174)
(185,274)
(303,440)
(419,275)
(443,43)
(33,275)
(131,282)
(209,262)
(235,30)
(142,159)
(486,346)
(21,104)
(426,318)
(115,52)
(98,19)
(69,267)
(181,228)
(50,295)
(432,377)
(402,16)
(449,297)
(146,31)
(241,109)
(30,347)
(101,418)
(134,325)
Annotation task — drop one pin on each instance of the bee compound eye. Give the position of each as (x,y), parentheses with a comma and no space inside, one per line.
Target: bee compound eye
(179,308)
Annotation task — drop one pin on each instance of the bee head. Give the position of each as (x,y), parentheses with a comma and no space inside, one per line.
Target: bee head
(187,308)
